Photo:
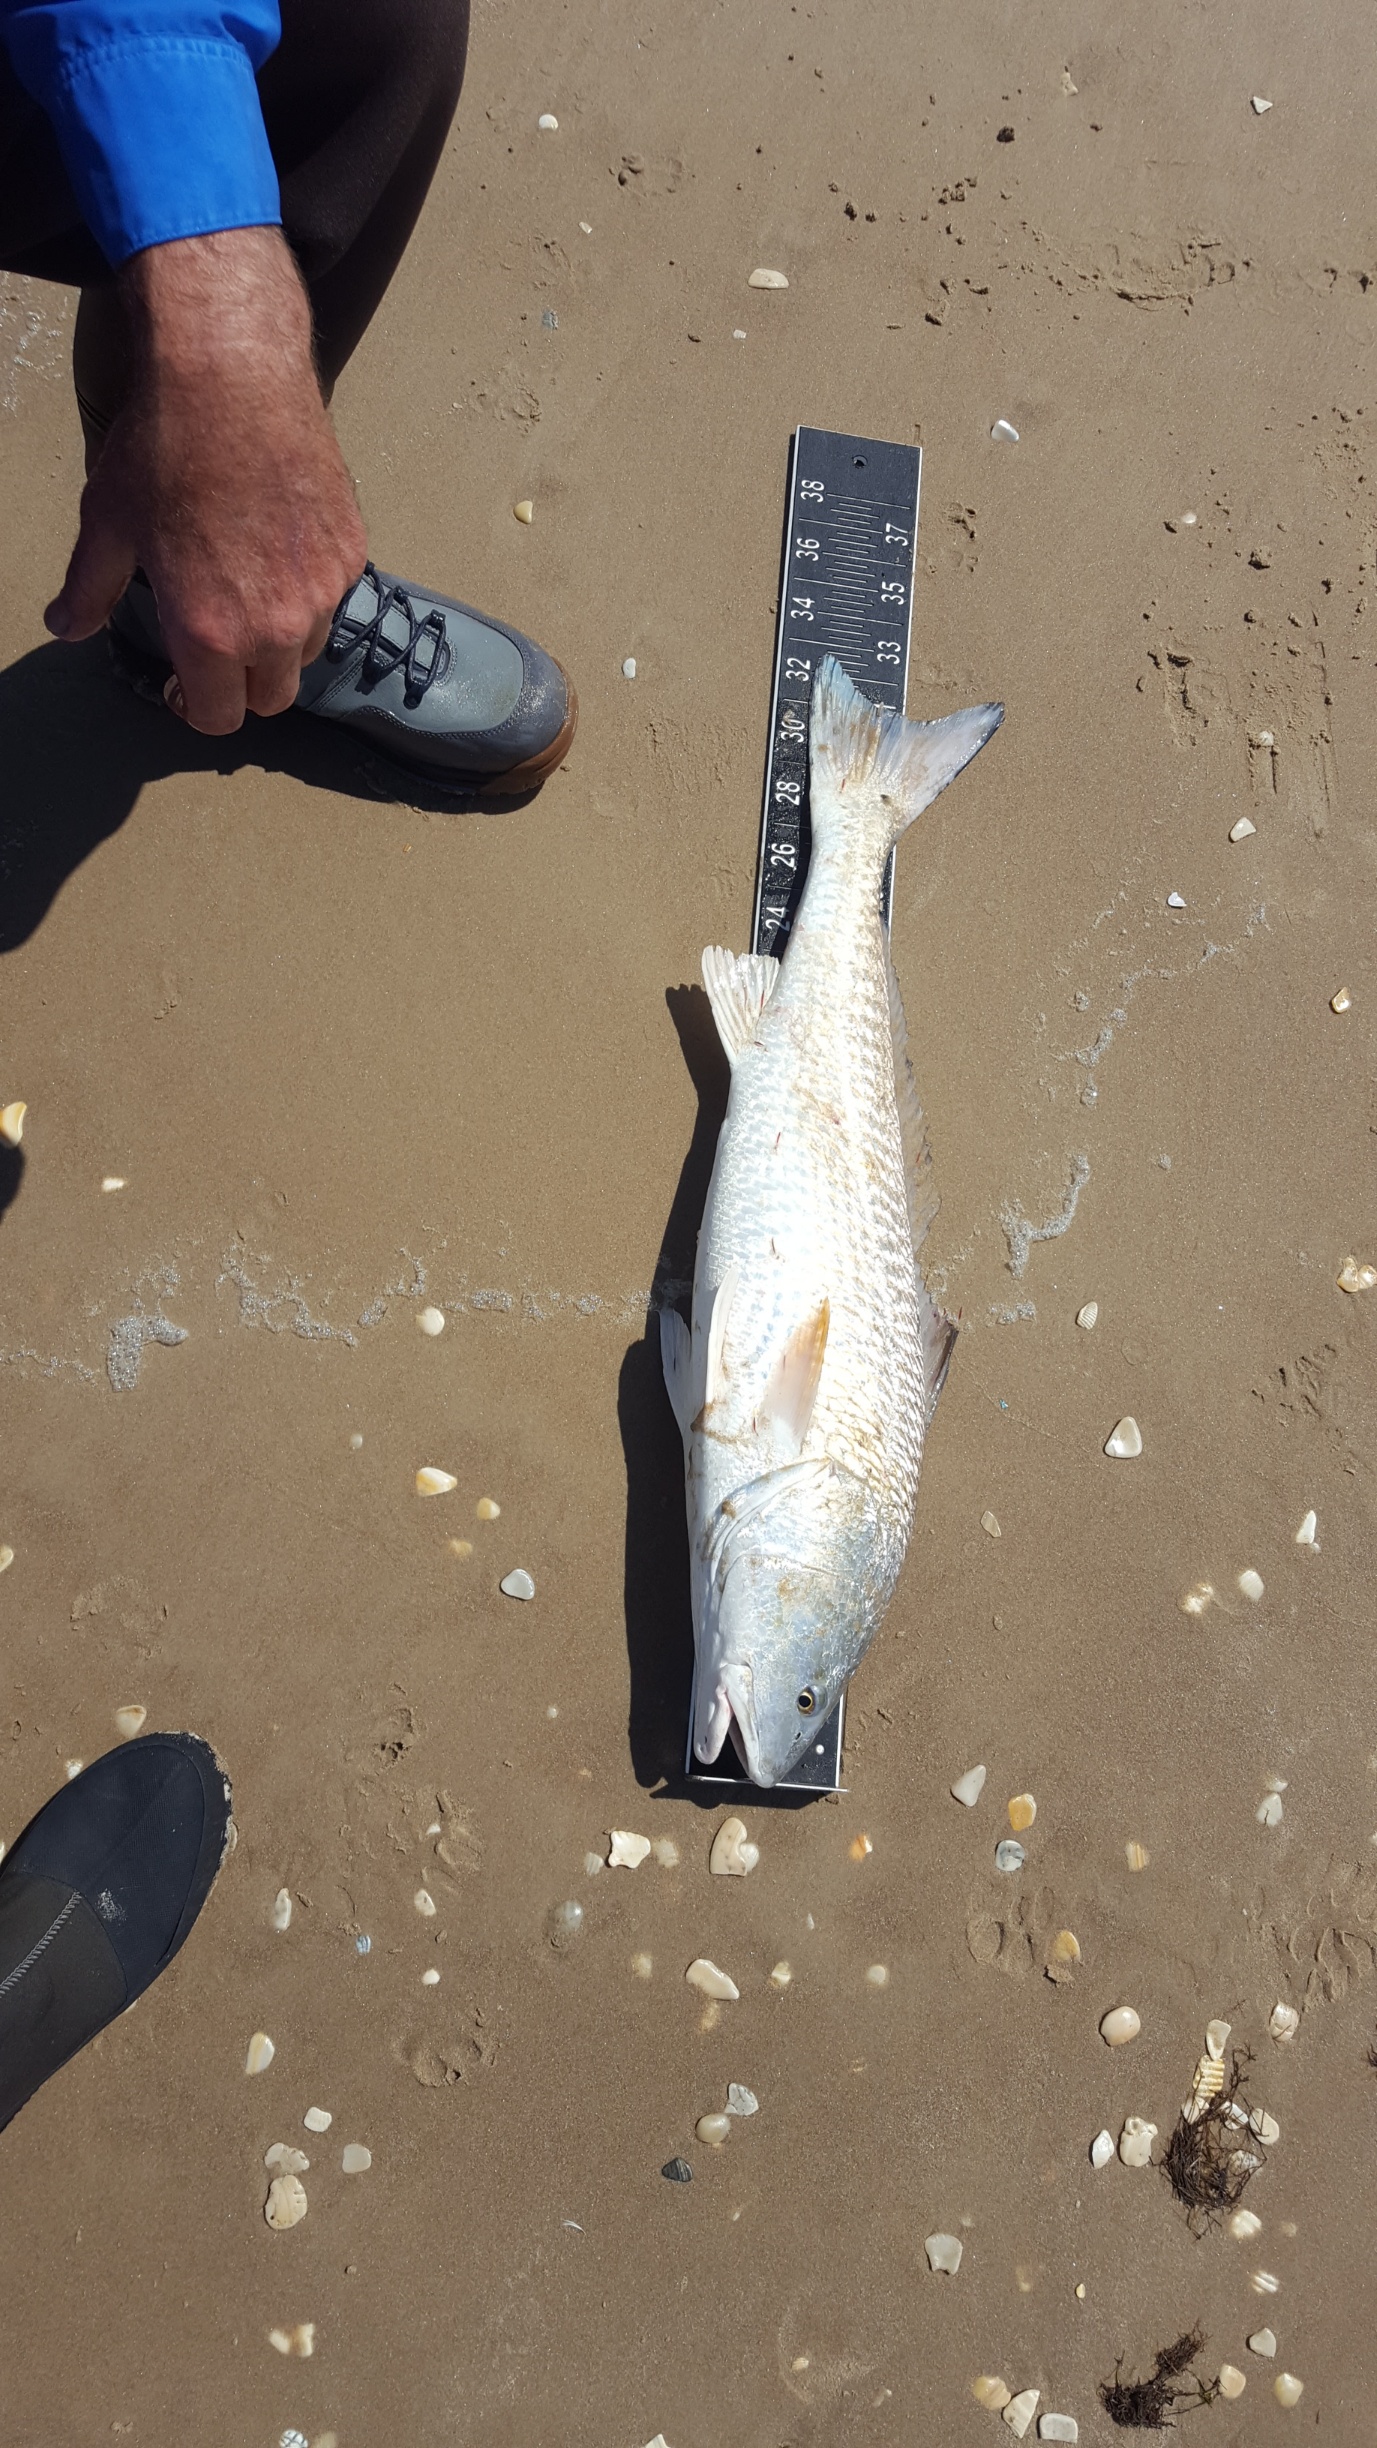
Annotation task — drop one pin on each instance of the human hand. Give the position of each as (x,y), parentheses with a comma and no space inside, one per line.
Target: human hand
(221,478)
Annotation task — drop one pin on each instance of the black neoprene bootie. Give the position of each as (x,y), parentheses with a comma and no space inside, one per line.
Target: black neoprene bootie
(97,1896)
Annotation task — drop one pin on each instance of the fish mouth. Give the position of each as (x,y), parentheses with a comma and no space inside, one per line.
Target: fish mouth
(727,1706)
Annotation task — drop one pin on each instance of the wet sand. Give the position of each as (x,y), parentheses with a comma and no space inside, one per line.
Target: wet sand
(350,1057)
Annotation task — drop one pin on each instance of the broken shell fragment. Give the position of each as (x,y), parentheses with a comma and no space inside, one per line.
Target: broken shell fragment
(1265,2127)
(859,1847)
(525,511)
(944,2253)
(763,278)
(517,1584)
(356,2159)
(1125,1442)
(1231,2382)
(1342,1001)
(487,1508)
(878,1976)
(1269,1811)
(1286,2389)
(284,2159)
(318,2120)
(424,1902)
(130,1721)
(1119,2025)
(431,1481)
(463,1548)
(968,1788)
(1241,830)
(1003,431)
(286,2202)
(677,2171)
(782,1974)
(708,1977)
(261,2054)
(431,1321)
(666,1852)
(1065,1948)
(1023,1810)
(1102,2148)
(6,1558)
(741,2102)
(299,2341)
(990,1526)
(12,1122)
(990,2391)
(1354,1277)
(1261,105)
(548,122)
(629,668)
(564,1923)
(1198,1598)
(1244,2225)
(282,1909)
(1206,2084)
(1058,2427)
(714,2130)
(1175,900)
(1251,1584)
(1136,2141)
(1305,1536)
(430,1979)
(628,1850)
(1283,2022)
(1009,1856)
(1216,2034)
(1087,1315)
(733,1855)
(1020,2410)
(1136,1855)
(1265,2282)
(1263,2342)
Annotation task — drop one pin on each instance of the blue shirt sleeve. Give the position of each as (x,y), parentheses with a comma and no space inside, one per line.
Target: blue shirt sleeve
(155,110)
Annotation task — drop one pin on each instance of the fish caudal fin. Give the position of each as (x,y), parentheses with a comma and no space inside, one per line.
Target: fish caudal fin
(890,768)
(739,986)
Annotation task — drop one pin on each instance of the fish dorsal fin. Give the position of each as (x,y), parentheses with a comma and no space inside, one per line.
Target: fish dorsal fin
(739,986)
(676,1359)
(792,1386)
(936,1330)
(718,1323)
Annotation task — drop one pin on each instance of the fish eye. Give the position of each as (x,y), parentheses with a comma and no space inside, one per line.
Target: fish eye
(807,1701)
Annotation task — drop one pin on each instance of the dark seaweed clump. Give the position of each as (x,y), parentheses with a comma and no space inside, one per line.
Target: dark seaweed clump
(1209,2164)
(1148,2405)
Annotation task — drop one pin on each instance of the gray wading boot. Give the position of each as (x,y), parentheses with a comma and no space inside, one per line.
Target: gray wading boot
(447,695)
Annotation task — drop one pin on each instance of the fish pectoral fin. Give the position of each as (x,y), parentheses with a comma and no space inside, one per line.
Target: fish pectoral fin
(937,1335)
(739,986)
(676,1359)
(718,1321)
(791,1389)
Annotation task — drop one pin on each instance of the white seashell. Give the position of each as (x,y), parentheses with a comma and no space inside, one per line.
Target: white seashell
(1206,2084)
(1197,1599)
(1003,431)
(1286,2389)
(1215,2036)
(1102,2148)
(1087,1315)
(1261,104)
(130,1721)
(990,1526)
(738,335)
(1251,1584)
(1120,2024)
(286,2202)
(1125,1442)
(1305,1536)
(1283,2022)
(944,2253)
(1269,1810)
(629,668)
(1354,1277)
(525,511)
(878,1976)
(1188,518)
(968,1788)
(113,1181)
(6,1558)
(1137,1856)
(356,2159)
(318,2120)
(713,1982)
(1265,2127)
(991,2391)
(299,2341)
(1175,901)
(782,1974)
(431,1321)
(517,1584)
(12,1122)
(261,2054)
(1136,2141)
(424,1903)
(463,1548)
(73,1768)
(548,122)
(643,1966)
(1263,2342)
(733,1855)
(1265,2282)
(761,278)
(282,1909)
(431,1481)
(1244,2225)
(628,1850)
(1342,1001)
(356,1442)
(1020,2410)
(666,1852)
(487,1508)
(587,228)
(430,1979)
(715,2130)
(593,1863)
(740,2101)
(1058,2427)
(1240,832)
(284,2159)
(1009,1856)
(1231,2382)
(1262,739)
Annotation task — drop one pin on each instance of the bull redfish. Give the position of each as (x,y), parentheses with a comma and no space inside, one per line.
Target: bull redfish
(805,1388)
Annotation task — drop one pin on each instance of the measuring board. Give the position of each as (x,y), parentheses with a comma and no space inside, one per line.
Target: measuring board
(845,588)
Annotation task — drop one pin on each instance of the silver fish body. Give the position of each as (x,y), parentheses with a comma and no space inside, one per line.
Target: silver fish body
(806,1383)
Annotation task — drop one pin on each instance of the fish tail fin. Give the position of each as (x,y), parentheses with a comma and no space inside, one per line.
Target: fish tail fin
(867,759)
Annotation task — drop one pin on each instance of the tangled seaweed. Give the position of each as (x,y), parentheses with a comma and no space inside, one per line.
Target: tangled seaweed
(1148,2405)
(1211,2159)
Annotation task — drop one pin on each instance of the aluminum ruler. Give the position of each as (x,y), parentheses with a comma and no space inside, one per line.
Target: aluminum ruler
(846,588)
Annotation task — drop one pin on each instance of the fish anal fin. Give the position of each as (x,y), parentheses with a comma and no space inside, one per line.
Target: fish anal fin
(791,1390)
(676,1359)
(739,986)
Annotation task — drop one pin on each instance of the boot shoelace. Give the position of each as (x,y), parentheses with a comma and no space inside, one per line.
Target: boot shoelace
(422,659)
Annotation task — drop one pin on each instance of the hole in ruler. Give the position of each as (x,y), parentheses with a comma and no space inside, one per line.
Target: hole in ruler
(858,463)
